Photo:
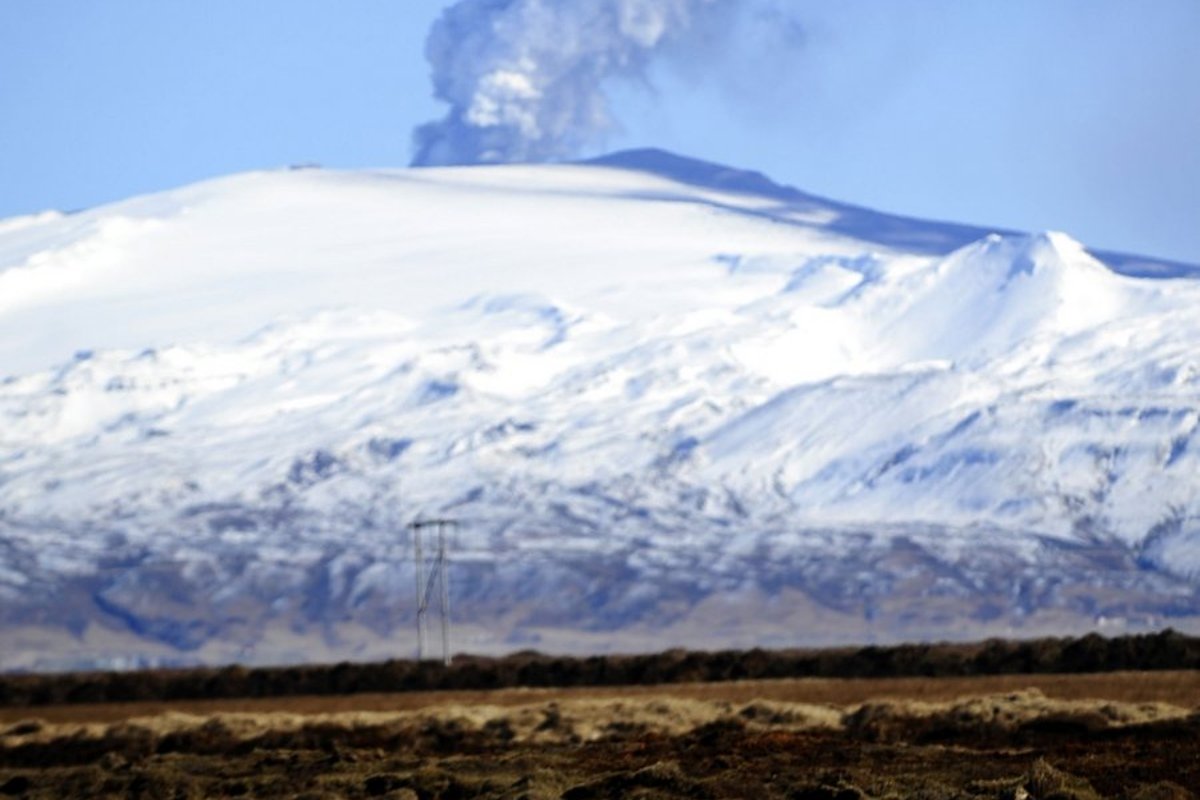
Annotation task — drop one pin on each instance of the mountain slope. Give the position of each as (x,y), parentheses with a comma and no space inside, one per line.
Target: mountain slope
(671,403)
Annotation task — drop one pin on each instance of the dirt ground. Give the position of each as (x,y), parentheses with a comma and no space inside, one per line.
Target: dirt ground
(1043,737)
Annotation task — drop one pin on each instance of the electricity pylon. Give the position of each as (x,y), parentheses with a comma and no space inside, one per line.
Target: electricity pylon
(438,577)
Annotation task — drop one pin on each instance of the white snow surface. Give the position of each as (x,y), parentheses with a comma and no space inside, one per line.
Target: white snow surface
(571,358)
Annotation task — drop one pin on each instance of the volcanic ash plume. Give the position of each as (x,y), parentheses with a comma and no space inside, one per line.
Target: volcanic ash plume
(524,78)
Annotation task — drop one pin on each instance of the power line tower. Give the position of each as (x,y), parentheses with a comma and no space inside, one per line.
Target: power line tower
(437,577)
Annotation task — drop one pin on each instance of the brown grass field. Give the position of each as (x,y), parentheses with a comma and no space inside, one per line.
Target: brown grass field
(1129,735)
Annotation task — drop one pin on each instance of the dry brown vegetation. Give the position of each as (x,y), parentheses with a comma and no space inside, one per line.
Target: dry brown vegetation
(648,743)
(1037,734)
(1181,688)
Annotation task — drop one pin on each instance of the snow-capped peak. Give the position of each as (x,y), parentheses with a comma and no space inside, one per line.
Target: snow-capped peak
(998,294)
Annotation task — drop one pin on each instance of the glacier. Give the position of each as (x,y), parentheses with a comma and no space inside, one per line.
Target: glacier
(671,402)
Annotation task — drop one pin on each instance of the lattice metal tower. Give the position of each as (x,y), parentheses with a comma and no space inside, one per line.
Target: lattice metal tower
(425,585)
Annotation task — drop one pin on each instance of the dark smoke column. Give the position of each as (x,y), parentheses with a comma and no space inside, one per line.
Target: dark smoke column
(524,78)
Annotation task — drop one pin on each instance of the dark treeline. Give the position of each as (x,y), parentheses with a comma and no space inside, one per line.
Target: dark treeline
(1168,650)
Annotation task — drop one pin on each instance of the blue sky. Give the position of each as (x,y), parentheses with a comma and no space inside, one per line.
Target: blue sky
(1076,115)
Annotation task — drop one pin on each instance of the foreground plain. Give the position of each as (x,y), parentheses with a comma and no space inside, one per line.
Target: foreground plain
(1108,735)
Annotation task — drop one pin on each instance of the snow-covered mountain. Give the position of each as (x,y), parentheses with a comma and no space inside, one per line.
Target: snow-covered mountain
(671,403)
